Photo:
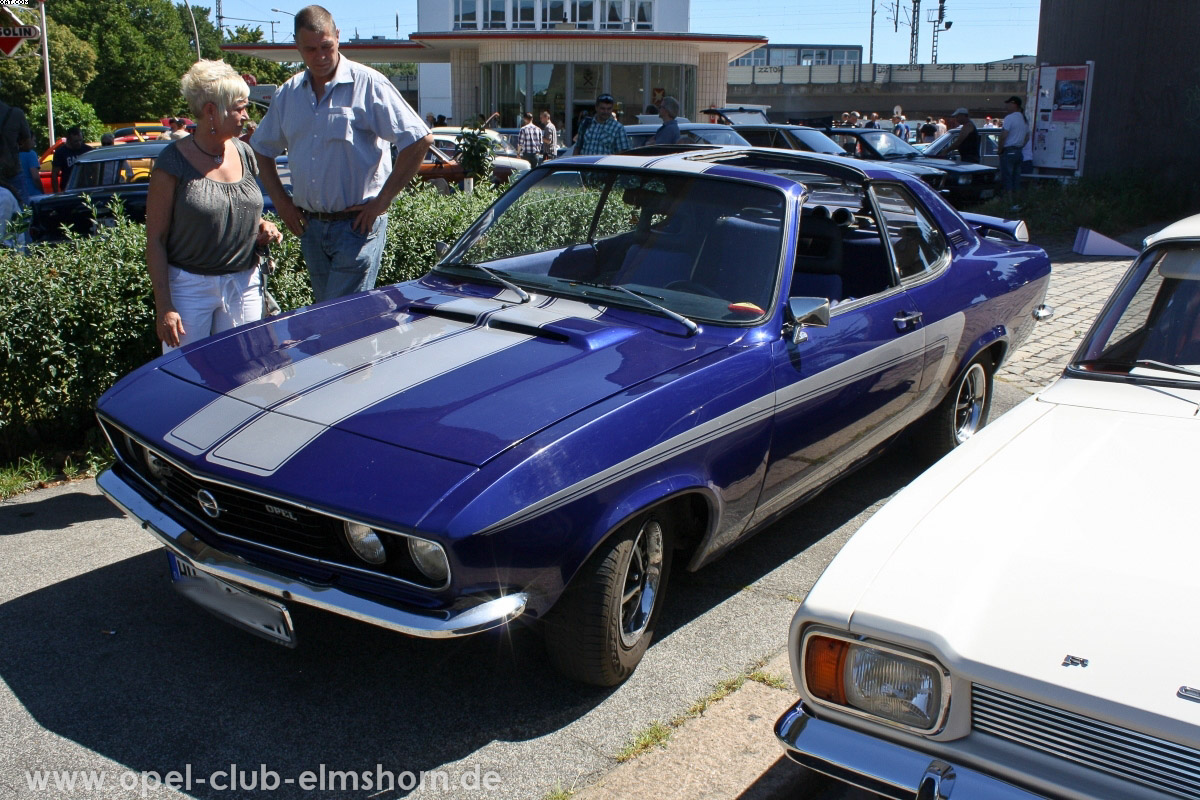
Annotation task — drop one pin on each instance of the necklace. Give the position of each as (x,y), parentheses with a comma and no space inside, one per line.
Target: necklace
(217,157)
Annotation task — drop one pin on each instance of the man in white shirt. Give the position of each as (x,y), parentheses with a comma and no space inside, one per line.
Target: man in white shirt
(338,120)
(1013,137)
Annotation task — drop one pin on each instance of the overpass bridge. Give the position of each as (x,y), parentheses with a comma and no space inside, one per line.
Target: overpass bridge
(813,93)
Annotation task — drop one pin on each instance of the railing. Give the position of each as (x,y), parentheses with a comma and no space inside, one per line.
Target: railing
(880,73)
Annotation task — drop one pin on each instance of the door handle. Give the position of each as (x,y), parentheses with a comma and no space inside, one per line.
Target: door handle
(905,320)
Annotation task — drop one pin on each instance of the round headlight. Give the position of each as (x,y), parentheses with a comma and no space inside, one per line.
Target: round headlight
(964,180)
(430,559)
(158,468)
(365,543)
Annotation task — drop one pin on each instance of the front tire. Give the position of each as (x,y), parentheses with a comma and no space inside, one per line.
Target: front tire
(963,412)
(600,628)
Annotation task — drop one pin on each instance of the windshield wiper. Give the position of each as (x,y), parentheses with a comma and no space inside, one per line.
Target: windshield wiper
(692,327)
(1146,362)
(507,284)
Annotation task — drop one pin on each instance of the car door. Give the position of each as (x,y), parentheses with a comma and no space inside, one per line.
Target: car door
(843,390)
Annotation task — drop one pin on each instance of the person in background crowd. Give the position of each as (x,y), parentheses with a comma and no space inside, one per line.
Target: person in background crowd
(668,132)
(1013,137)
(845,119)
(30,178)
(928,131)
(873,122)
(248,130)
(430,120)
(855,119)
(338,120)
(65,156)
(204,216)
(114,171)
(966,141)
(602,133)
(529,140)
(941,126)
(13,127)
(441,121)
(178,131)
(549,137)
(900,127)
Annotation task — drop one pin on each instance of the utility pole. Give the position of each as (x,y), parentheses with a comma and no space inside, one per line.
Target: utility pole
(916,32)
(220,24)
(939,24)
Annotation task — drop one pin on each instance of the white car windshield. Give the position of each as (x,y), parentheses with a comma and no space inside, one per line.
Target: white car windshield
(1152,329)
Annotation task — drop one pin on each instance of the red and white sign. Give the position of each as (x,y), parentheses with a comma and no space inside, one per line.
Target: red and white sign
(12,37)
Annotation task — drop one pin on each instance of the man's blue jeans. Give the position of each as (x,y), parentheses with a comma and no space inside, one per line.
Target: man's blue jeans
(1010,169)
(341,260)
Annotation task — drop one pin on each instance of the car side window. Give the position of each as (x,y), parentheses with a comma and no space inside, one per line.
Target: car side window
(759,138)
(917,245)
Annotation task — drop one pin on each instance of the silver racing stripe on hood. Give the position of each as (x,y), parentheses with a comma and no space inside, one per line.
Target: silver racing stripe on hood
(265,442)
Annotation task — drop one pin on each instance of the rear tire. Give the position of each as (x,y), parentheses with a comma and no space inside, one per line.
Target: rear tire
(600,628)
(962,413)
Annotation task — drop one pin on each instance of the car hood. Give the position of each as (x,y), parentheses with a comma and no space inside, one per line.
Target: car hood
(1065,532)
(912,166)
(944,164)
(454,376)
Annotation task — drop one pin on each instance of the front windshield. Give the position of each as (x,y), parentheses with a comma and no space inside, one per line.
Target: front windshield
(941,143)
(1155,320)
(714,136)
(889,145)
(702,247)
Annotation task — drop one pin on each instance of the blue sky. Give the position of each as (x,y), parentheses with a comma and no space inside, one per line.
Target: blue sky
(982,30)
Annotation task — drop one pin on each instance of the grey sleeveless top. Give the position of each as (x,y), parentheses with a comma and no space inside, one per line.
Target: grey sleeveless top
(213,224)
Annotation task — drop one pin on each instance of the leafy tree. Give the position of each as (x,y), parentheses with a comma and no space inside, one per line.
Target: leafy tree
(263,71)
(141,51)
(72,65)
(68,112)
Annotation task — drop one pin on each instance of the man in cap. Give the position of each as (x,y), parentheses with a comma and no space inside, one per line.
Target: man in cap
(966,141)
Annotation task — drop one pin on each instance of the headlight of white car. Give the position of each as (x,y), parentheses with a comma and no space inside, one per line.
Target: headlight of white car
(875,680)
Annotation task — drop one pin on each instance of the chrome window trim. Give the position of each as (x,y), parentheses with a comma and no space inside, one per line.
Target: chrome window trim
(107,421)
(913,655)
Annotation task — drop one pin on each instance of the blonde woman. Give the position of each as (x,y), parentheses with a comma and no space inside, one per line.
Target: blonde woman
(204,216)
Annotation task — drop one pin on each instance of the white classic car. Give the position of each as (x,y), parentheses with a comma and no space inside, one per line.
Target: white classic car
(1019,621)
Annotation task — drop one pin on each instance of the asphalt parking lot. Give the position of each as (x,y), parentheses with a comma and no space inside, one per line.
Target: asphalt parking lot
(106,670)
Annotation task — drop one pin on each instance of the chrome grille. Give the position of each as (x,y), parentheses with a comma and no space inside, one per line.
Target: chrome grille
(1136,757)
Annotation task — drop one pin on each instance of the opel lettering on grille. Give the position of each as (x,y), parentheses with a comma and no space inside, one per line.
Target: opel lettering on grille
(280,512)
(208,503)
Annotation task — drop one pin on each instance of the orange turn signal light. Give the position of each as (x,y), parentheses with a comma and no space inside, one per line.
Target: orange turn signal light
(824,663)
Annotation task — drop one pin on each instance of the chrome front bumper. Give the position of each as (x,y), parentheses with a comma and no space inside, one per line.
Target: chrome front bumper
(882,767)
(234,570)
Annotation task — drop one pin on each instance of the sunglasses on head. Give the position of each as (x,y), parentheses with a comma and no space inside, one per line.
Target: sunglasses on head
(605,98)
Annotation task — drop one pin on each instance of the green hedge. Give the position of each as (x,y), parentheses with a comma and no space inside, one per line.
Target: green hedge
(80,314)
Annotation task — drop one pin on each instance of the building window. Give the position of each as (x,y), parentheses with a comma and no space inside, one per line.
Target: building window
(522,14)
(495,14)
(845,57)
(645,15)
(758,58)
(553,12)
(782,57)
(585,11)
(814,58)
(465,14)
(611,16)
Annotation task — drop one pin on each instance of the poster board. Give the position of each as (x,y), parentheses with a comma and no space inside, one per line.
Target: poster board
(1060,120)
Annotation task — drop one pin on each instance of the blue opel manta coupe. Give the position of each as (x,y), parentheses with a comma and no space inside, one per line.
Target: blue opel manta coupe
(628,361)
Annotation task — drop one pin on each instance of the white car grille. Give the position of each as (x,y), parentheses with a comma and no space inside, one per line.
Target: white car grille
(1136,757)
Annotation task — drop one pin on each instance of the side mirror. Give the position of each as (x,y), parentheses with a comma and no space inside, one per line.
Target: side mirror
(804,312)
(441,248)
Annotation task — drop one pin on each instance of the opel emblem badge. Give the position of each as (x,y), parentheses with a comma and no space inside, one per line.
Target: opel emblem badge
(208,503)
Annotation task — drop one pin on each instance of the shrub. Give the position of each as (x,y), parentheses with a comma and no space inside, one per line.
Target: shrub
(80,314)
(69,111)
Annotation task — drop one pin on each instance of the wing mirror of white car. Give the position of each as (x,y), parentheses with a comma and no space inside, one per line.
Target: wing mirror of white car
(804,312)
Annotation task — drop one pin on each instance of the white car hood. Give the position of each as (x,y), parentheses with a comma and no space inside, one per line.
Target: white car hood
(1067,534)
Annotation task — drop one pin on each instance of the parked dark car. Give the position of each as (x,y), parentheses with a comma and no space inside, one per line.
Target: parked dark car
(989,146)
(966,183)
(101,175)
(623,363)
(738,115)
(689,133)
(811,140)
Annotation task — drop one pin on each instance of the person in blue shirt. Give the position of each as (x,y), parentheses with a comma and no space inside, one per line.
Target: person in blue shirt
(668,110)
(29,179)
(899,127)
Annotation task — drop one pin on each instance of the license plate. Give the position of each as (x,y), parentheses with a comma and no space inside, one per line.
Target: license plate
(233,604)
